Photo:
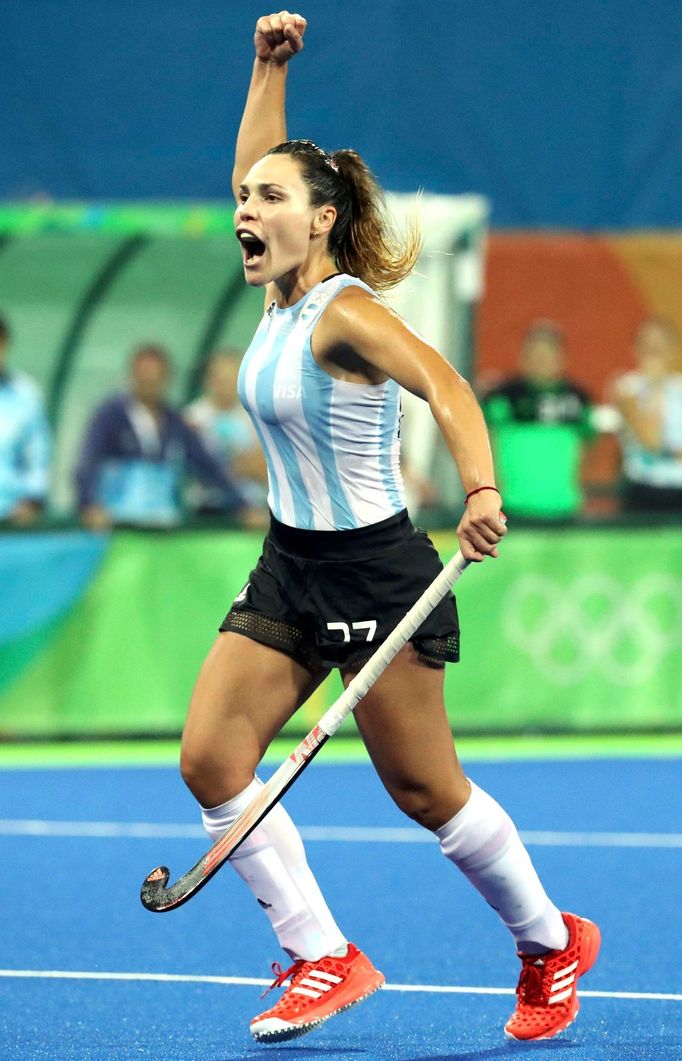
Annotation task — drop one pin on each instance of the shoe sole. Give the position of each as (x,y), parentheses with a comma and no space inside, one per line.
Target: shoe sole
(295,1031)
(592,943)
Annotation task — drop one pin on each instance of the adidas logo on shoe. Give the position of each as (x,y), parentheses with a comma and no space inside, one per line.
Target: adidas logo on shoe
(317,991)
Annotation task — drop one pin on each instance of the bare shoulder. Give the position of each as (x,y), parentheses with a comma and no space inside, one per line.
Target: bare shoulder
(359,333)
(356,302)
(355,315)
(342,336)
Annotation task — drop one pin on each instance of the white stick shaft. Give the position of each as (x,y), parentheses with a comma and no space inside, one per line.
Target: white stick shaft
(390,648)
(155,894)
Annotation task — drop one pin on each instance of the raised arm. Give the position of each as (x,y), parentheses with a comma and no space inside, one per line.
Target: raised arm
(263,123)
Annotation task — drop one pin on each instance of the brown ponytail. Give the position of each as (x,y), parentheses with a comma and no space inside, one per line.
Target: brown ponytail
(369,247)
(363,241)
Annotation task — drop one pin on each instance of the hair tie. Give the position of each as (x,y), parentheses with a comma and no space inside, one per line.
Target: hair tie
(478,491)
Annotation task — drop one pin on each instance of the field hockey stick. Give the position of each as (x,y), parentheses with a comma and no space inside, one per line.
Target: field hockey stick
(156,896)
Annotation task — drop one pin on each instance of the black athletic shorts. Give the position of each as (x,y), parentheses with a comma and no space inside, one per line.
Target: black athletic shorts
(329,598)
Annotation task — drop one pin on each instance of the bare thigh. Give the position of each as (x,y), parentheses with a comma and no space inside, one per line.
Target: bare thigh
(403,723)
(244,694)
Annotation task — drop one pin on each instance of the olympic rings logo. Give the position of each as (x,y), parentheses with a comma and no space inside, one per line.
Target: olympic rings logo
(595,624)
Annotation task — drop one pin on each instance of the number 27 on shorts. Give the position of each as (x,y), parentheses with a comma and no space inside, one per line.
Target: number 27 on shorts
(369,625)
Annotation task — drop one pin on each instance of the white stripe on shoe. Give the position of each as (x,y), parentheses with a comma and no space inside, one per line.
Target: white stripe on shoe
(317,984)
(561,989)
(319,981)
(561,996)
(564,972)
(321,975)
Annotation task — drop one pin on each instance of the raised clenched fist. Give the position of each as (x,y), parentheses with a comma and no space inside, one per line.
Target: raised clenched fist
(278,37)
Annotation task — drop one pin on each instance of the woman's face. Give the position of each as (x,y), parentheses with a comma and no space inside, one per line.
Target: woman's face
(542,359)
(654,350)
(274,219)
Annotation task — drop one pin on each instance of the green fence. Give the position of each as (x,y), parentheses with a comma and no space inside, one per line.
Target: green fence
(567,631)
(82,284)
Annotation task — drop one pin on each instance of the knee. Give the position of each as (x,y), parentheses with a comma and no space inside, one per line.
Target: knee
(200,773)
(192,769)
(427,805)
(210,778)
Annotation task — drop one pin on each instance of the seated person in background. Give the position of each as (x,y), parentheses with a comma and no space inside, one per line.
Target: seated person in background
(24,443)
(226,430)
(137,450)
(539,422)
(650,403)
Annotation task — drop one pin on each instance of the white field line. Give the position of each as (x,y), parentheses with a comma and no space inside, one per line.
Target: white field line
(338,834)
(252,981)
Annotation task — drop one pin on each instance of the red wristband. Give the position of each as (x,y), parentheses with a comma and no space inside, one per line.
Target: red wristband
(478,491)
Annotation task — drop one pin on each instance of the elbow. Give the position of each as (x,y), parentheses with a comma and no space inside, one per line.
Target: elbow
(465,388)
(456,394)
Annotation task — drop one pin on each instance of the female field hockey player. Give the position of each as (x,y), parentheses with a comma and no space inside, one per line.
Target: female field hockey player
(342,564)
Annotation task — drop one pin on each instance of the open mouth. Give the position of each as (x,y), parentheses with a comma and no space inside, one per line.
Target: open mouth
(253,248)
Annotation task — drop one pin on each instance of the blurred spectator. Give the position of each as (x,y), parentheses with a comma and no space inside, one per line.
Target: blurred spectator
(24,443)
(137,450)
(228,434)
(539,423)
(650,403)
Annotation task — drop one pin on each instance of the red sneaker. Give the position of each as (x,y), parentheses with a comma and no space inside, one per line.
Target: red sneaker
(547,998)
(318,990)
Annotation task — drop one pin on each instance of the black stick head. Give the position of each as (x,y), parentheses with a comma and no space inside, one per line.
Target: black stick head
(153,889)
(158,898)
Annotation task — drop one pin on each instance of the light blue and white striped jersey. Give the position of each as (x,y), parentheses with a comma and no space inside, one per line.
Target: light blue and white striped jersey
(332,447)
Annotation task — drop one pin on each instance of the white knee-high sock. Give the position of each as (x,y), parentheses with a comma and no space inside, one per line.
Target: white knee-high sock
(483,842)
(272,863)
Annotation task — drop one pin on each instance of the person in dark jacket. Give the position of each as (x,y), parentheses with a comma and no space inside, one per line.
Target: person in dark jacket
(137,450)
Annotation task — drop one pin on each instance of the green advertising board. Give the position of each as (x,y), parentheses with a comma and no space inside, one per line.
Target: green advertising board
(569,630)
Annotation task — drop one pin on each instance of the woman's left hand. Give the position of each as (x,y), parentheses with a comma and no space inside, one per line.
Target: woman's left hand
(482,527)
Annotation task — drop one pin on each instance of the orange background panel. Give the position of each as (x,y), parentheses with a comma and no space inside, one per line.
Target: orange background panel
(654,260)
(582,283)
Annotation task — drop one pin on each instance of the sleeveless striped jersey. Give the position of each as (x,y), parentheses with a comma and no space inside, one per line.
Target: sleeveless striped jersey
(332,447)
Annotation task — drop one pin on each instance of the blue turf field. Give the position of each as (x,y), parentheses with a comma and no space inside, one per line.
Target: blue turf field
(71,906)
